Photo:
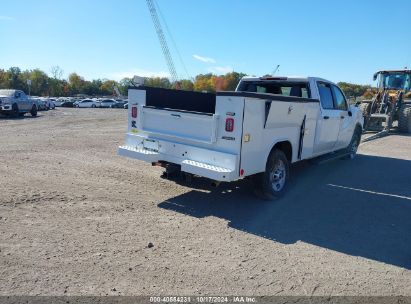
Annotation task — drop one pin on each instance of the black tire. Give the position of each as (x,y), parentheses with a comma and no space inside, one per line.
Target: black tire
(14,110)
(93,106)
(33,111)
(271,184)
(354,144)
(365,108)
(404,119)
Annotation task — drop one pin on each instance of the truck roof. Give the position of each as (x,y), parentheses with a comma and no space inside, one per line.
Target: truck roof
(394,71)
(284,78)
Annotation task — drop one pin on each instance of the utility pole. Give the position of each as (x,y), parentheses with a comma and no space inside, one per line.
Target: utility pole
(29,84)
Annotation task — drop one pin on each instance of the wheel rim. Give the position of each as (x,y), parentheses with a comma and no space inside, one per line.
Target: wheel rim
(278,176)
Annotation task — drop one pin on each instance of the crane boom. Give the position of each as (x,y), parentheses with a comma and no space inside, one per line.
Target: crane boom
(162,39)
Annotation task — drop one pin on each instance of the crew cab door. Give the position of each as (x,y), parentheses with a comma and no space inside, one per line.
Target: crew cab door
(22,100)
(346,123)
(328,124)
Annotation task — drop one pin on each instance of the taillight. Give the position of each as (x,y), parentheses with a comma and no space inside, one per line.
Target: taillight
(229,124)
(134,112)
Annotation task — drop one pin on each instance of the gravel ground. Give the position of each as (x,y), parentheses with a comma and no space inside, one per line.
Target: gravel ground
(76,219)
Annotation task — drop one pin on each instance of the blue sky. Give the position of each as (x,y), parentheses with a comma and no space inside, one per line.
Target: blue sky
(337,40)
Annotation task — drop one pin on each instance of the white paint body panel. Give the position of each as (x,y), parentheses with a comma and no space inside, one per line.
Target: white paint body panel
(201,145)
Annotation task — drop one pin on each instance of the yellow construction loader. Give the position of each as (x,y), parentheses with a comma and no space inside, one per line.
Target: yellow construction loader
(392,102)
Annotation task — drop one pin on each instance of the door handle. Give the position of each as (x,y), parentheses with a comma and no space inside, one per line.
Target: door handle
(326,117)
(342,117)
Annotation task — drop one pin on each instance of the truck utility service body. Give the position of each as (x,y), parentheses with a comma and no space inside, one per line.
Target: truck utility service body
(230,135)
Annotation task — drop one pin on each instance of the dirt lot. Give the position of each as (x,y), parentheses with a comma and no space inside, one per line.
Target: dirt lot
(75,219)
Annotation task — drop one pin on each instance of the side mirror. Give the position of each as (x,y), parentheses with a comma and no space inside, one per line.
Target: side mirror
(349,113)
(375,76)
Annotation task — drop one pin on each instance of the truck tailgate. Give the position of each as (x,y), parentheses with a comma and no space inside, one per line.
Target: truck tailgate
(192,126)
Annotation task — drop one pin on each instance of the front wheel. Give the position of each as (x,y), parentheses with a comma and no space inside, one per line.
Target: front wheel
(14,110)
(404,119)
(354,144)
(272,183)
(33,111)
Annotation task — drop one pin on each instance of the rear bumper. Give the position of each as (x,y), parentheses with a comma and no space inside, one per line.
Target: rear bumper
(193,159)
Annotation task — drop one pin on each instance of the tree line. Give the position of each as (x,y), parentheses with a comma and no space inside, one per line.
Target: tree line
(55,85)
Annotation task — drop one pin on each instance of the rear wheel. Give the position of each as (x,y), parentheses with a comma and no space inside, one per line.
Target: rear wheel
(272,183)
(404,119)
(33,111)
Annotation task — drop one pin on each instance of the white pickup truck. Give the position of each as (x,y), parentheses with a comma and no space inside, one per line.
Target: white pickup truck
(256,131)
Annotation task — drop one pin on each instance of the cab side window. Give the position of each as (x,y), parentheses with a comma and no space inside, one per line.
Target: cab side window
(326,96)
(339,100)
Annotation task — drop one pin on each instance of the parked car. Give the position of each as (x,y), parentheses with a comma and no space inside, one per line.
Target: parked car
(59,101)
(255,132)
(16,102)
(67,104)
(106,103)
(41,104)
(50,103)
(86,103)
(118,105)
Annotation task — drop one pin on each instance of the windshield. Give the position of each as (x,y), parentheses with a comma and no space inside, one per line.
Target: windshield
(395,81)
(7,93)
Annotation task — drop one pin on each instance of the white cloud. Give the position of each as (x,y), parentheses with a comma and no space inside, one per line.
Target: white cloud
(204,59)
(220,69)
(6,18)
(138,72)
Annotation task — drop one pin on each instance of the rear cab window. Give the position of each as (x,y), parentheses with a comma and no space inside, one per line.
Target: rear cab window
(284,88)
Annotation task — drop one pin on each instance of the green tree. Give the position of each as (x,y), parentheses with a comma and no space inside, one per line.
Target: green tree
(107,87)
(205,82)
(55,82)
(76,84)
(39,82)
(3,79)
(353,90)
(158,82)
(123,85)
(14,79)
(231,80)
(186,85)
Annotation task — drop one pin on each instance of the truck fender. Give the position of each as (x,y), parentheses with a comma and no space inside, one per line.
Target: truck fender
(283,145)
